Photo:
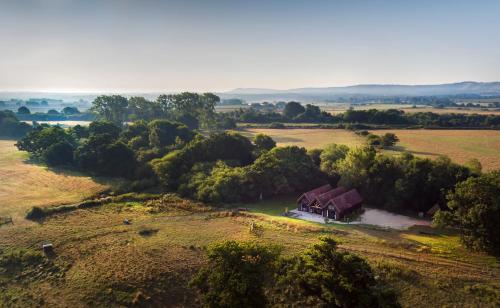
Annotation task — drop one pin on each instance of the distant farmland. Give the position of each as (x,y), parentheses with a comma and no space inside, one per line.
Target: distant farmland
(459,145)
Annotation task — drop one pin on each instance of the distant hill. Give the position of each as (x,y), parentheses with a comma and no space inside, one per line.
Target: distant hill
(460,88)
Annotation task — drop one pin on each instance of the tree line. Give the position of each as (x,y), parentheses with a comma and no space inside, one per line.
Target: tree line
(295,112)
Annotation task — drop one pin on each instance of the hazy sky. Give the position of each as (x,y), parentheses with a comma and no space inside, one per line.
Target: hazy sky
(147,45)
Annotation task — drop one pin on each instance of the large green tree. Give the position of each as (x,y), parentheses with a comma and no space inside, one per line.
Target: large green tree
(236,275)
(474,208)
(111,108)
(324,276)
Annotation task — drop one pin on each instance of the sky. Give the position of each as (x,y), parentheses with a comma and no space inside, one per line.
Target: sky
(148,45)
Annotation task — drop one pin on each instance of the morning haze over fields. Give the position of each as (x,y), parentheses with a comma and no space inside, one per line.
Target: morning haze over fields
(249,153)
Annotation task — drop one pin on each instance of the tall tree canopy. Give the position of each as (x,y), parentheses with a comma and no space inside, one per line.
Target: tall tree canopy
(112,108)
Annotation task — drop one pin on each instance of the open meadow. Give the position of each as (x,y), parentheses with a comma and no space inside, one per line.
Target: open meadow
(459,145)
(24,184)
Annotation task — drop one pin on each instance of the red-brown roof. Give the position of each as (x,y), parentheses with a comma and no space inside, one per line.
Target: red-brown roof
(323,199)
(310,195)
(346,202)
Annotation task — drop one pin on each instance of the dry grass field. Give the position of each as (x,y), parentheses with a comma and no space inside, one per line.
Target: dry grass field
(308,138)
(99,261)
(459,145)
(24,184)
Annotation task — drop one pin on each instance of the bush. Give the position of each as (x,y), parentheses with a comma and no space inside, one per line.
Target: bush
(59,154)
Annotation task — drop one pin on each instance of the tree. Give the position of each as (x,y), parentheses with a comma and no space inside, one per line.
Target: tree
(389,140)
(10,126)
(60,153)
(263,143)
(104,127)
(37,141)
(236,275)
(53,112)
(70,110)
(293,109)
(315,155)
(332,154)
(323,276)
(164,133)
(112,108)
(353,169)
(23,110)
(474,208)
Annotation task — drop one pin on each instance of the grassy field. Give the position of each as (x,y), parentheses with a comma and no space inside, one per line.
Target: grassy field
(99,261)
(459,145)
(308,138)
(24,184)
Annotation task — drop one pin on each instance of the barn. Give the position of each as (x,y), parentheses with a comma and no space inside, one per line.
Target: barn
(306,199)
(334,203)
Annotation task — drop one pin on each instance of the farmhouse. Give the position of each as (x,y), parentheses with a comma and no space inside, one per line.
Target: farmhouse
(333,203)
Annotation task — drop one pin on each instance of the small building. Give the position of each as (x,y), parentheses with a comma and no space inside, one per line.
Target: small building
(305,200)
(343,205)
(333,203)
(319,204)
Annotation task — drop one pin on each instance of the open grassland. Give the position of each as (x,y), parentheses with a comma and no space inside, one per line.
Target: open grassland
(308,138)
(99,261)
(24,184)
(459,145)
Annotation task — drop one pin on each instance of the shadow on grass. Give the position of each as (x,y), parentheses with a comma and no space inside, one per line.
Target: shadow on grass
(399,148)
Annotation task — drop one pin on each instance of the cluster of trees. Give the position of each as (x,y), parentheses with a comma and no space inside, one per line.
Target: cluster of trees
(206,170)
(251,275)
(387,140)
(192,109)
(104,148)
(292,112)
(11,127)
(401,183)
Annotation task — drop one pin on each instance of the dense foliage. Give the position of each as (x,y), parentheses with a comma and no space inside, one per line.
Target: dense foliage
(237,275)
(11,127)
(396,183)
(474,208)
(251,275)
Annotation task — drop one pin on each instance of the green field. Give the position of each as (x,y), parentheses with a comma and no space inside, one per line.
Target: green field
(459,145)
